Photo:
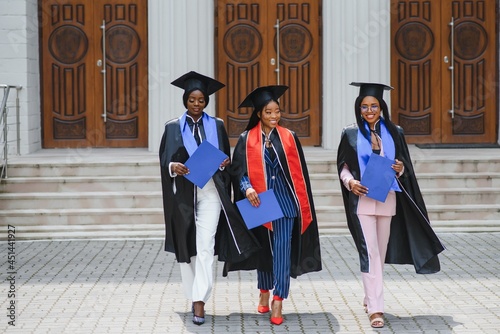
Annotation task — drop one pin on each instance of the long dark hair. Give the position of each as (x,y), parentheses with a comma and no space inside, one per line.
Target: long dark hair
(391,127)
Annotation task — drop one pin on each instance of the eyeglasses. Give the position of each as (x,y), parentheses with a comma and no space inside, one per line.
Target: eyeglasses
(373,107)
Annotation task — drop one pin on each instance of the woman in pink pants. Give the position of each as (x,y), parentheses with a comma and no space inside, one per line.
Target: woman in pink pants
(396,230)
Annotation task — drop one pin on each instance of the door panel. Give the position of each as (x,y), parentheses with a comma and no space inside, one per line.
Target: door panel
(416,98)
(474,89)
(242,59)
(421,71)
(72,81)
(299,67)
(248,57)
(126,74)
(68,74)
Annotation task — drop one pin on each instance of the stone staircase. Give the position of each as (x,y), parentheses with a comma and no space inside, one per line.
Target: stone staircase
(117,193)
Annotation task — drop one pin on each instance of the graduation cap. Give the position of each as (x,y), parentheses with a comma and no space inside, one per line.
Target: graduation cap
(371,89)
(262,95)
(195,81)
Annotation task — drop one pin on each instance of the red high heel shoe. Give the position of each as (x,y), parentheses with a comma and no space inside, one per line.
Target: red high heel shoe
(263,308)
(276,316)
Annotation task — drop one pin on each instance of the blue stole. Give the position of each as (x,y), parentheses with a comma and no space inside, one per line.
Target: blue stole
(364,148)
(209,126)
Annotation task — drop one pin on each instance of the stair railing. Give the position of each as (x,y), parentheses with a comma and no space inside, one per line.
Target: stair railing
(4,127)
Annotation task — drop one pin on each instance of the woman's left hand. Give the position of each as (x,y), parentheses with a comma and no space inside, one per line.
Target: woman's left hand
(398,166)
(225,163)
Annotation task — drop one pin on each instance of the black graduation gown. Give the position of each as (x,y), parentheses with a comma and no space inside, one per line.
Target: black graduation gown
(412,239)
(306,254)
(233,241)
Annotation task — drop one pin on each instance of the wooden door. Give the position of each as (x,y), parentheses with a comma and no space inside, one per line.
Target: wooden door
(73,86)
(440,96)
(248,57)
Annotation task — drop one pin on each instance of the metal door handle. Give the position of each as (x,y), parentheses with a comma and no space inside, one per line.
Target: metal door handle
(451,68)
(277,70)
(103,71)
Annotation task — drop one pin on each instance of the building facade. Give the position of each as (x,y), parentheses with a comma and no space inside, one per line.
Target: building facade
(441,57)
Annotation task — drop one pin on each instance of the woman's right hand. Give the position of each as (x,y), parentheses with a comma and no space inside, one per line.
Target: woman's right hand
(357,188)
(179,168)
(253,197)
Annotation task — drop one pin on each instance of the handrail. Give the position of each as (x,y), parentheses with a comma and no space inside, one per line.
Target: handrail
(5,126)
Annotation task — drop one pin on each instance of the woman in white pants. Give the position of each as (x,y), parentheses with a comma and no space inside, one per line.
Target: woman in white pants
(197,276)
(199,222)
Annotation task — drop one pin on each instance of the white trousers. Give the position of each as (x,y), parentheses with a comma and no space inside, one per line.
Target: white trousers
(197,276)
(376,231)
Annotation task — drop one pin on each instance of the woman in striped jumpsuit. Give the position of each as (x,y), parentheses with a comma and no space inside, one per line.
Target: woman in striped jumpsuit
(268,156)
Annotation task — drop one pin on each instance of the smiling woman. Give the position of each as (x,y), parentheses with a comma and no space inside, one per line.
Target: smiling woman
(269,118)
(384,230)
(269,156)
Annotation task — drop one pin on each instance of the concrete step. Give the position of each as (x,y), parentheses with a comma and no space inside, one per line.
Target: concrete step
(324,181)
(80,184)
(82,200)
(425,180)
(82,217)
(459,180)
(424,164)
(316,164)
(461,196)
(436,212)
(464,212)
(153,199)
(461,163)
(71,169)
(453,196)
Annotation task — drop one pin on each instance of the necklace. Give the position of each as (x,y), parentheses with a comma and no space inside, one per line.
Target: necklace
(376,142)
(268,142)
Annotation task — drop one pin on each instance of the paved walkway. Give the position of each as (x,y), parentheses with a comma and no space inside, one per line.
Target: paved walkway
(133,286)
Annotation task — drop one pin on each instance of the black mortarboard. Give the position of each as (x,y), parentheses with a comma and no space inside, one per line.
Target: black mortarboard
(371,89)
(195,81)
(261,95)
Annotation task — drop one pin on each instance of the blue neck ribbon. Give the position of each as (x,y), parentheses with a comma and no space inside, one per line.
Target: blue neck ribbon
(364,148)
(210,132)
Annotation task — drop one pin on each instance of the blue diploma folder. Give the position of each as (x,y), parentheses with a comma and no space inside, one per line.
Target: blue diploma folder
(204,163)
(378,177)
(267,211)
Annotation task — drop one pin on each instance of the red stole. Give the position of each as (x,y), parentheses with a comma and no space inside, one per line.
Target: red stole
(256,169)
